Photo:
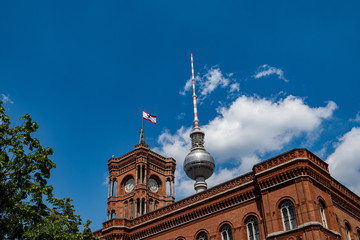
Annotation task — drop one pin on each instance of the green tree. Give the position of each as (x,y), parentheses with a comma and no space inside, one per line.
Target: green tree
(28,208)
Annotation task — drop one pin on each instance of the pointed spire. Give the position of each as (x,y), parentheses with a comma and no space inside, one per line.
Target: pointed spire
(142,137)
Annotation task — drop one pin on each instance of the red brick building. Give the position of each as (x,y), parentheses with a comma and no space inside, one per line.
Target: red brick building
(290,196)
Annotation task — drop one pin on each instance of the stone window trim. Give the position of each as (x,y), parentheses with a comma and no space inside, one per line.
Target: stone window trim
(288,215)
(202,236)
(347,230)
(226,232)
(252,228)
(322,209)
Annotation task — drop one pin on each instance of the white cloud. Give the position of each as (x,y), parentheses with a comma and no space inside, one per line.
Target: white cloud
(266,70)
(210,81)
(187,87)
(106,179)
(181,116)
(6,99)
(357,118)
(344,162)
(234,87)
(243,132)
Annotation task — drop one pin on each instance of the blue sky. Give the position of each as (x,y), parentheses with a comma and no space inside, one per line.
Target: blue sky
(271,76)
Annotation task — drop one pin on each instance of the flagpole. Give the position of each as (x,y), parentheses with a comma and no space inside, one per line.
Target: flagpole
(142,119)
(142,138)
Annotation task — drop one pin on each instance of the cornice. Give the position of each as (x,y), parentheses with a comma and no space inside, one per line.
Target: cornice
(290,170)
(355,211)
(345,191)
(288,156)
(141,151)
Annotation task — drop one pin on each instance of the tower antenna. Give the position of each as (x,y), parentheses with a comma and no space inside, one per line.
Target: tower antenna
(199,165)
(196,120)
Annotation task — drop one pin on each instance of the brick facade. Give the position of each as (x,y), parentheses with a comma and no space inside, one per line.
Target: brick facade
(293,184)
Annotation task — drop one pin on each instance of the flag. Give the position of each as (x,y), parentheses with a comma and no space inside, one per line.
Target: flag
(149,117)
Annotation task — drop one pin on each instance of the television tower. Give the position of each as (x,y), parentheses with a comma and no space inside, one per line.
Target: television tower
(199,165)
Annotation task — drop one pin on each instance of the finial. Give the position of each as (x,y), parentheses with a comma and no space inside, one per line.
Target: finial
(142,137)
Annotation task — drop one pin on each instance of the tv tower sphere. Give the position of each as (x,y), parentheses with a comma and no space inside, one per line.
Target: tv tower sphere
(199,165)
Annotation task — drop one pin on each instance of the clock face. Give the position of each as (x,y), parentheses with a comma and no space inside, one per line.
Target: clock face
(153,185)
(129,186)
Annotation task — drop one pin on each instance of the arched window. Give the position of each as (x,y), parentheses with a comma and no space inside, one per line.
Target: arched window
(151,205)
(253,228)
(143,207)
(138,175)
(143,175)
(168,190)
(288,215)
(137,207)
(322,213)
(131,209)
(113,214)
(156,205)
(114,184)
(226,232)
(202,236)
(347,230)
(358,234)
(126,209)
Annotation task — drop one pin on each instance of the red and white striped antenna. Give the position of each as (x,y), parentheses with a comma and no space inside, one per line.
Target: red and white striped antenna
(196,120)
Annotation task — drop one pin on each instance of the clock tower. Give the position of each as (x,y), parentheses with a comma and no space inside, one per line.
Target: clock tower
(140,181)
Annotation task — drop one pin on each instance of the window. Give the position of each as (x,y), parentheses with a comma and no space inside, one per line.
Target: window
(138,175)
(131,209)
(113,188)
(322,213)
(151,205)
(226,232)
(358,234)
(288,215)
(143,207)
(347,230)
(143,175)
(113,214)
(202,236)
(253,228)
(126,209)
(137,207)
